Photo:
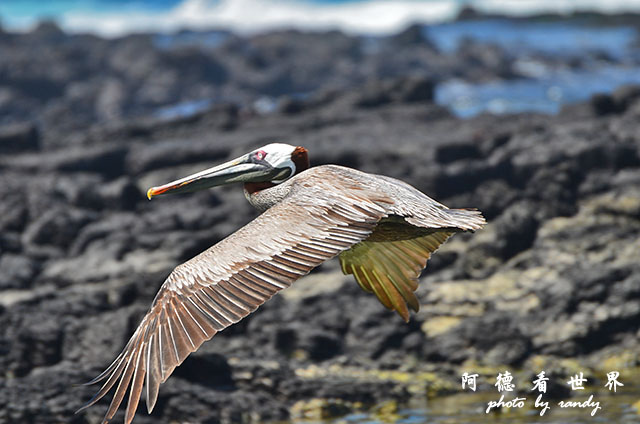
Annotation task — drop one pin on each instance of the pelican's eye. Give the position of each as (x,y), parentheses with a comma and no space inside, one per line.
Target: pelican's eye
(260,154)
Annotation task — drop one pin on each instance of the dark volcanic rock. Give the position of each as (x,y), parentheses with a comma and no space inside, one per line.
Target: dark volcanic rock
(291,106)
(18,138)
(208,370)
(403,90)
(14,212)
(413,34)
(603,104)
(40,345)
(121,193)
(516,228)
(171,153)
(105,160)
(416,90)
(56,227)
(457,151)
(626,96)
(18,272)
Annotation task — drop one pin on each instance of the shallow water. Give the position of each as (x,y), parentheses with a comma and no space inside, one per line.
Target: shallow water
(557,38)
(471,408)
(545,94)
(547,87)
(183,109)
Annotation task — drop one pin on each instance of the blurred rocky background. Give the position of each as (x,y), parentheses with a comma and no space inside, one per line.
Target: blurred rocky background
(87,124)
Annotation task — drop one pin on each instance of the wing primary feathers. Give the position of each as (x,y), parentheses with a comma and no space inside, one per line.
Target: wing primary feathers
(406,264)
(261,279)
(111,367)
(291,266)
(168,348)
(122,387)
(392,293)
(406,292)
(107,385)
(240,299)
(256,292)
(361,281)
(377,289)
(106,373)
(152,376)
(172,338)
(247,281)
(187,309)
(200,317)
(214,309)
(182,330)
(279,268)
(136,385)
(250,297)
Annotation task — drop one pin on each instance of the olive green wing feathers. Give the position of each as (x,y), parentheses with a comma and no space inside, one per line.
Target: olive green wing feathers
(389,268)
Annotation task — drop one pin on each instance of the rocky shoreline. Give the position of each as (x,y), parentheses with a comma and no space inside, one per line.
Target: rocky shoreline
(553,281)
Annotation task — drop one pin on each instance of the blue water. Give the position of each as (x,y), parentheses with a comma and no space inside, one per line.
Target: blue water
(545,95)
(183,109)
(610,56)
(469,408)
(28,8)
(546,37)
(545,88)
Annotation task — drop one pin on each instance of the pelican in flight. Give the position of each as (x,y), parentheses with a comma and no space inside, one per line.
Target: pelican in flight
(382,229)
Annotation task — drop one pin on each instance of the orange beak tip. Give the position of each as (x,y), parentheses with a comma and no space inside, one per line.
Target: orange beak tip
(150,193)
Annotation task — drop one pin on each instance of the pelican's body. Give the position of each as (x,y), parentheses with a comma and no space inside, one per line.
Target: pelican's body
(383,229)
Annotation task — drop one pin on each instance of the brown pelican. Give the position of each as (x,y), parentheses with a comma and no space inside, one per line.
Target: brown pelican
(383,230)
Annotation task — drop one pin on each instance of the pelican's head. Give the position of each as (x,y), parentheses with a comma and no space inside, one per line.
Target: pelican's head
(271,164)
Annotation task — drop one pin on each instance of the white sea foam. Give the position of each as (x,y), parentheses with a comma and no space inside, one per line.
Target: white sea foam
(370,16)
(375,17)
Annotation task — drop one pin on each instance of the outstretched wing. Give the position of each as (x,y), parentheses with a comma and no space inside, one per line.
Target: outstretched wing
(389,262)
(320,217)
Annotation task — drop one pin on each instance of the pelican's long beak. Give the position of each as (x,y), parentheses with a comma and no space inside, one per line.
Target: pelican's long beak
(242,169)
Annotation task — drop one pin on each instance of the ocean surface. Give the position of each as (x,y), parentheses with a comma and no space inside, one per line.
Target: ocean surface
(610,58)
(544,89)
(118,17)
(470,408)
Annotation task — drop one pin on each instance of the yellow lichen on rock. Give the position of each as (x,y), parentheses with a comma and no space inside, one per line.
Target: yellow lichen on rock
(439,325)
(320,409)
